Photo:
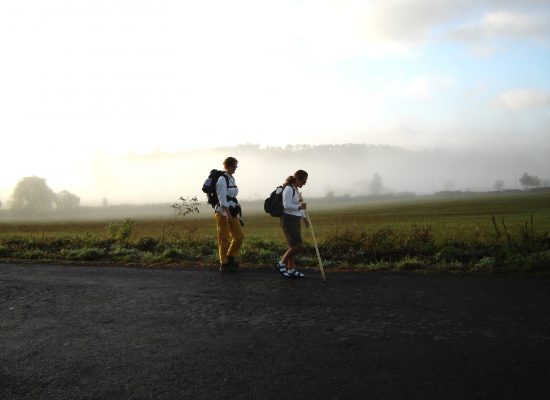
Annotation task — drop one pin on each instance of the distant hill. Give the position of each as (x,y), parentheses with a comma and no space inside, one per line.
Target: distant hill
(344,170)
(348,169)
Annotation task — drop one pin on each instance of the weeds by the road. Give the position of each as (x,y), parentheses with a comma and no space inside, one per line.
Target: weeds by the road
(485,234)
(383,249)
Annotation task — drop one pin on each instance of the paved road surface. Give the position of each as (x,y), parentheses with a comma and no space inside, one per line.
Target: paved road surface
(72,332)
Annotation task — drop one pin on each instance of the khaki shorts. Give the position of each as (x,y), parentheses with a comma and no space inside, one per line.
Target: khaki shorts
(292,229)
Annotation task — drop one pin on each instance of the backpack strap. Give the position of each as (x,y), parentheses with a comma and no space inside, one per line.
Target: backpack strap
(292,187)
(227,181)
(230,186)
(230,198)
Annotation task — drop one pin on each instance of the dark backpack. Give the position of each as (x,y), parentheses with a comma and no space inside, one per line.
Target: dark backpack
(209,186)
(273,205)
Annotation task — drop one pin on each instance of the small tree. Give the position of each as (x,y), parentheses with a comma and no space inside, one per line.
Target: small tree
(499,185)
(67,201)
(376,187)
(186,206)
(32,194)
(529,181)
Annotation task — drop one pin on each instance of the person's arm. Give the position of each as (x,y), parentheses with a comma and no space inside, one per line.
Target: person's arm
(302,209)
(221,190)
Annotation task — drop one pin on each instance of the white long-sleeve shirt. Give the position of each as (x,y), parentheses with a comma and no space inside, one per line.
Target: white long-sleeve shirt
(223,191)
(291,201)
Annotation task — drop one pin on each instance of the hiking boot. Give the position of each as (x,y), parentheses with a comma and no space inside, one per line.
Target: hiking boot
(224,268)
(282,268)
(232,264)
(295,274)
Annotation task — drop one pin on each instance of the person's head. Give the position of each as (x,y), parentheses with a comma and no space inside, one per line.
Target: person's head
(230,165)
(299,179)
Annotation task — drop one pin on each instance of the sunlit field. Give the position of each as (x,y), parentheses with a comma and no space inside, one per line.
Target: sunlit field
(368,234)
(449,218)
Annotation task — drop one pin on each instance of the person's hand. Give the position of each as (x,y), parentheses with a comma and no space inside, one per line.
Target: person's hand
(302,206)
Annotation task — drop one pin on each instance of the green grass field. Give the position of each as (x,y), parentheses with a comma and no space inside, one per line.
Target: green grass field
(493,228)
(450,218)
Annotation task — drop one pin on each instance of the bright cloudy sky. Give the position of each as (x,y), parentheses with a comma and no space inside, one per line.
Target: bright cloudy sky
(81,78)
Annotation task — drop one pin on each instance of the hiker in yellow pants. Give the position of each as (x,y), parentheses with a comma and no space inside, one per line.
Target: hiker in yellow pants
(230,239)
(228,222)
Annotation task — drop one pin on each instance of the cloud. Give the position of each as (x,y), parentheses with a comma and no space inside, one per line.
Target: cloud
(336,30)
(406,21)
(400,26)
(332,30)
(505,24)
(524,99)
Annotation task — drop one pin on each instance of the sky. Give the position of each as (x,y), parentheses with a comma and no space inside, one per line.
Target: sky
(82,82)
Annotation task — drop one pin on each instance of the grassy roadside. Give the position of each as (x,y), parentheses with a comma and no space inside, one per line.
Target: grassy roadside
(476,234)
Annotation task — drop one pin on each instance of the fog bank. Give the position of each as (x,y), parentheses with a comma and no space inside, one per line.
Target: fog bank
(340,169)
(162,177)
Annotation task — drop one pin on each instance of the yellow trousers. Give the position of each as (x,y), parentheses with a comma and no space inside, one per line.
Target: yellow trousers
(230,237)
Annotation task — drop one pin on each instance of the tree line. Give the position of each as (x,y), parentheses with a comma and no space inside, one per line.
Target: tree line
(33,195)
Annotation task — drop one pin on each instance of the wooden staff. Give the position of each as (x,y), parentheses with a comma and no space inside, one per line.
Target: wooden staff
(316,248)
(314,240)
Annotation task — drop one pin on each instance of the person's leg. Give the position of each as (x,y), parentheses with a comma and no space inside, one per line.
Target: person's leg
(298,248)
(293,235)
(237,238)
(224,238)
(291,262)
(289,257)
(291,230)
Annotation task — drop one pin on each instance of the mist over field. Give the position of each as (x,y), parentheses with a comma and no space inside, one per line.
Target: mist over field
(334,170)
(162,177)
(341,169)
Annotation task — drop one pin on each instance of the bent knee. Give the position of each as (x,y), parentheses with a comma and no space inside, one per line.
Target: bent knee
(239,236)
(298,247)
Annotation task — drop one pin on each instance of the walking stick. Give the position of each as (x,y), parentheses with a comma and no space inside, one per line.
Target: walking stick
(316,248)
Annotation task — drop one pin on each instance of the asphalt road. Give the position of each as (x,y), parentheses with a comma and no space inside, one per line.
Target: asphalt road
(72,332)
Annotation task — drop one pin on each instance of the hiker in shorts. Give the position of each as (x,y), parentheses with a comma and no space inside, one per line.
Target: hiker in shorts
(228,222)
(290,223)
